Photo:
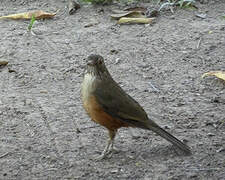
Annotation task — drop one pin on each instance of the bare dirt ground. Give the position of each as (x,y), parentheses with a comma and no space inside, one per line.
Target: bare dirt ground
(46,134)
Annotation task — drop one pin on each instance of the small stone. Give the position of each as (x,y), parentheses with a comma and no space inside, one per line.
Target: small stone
(43,66)
(44,91)
(28,102)
(210,134)
(167,127)
(114,51)
(131,157)
(193,175)
(117,60)
(114,171)
(220,149)
(200,143)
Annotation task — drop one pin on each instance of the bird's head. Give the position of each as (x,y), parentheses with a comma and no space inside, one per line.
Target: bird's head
(96,65)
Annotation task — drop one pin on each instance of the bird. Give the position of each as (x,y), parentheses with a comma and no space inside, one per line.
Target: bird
(110,106)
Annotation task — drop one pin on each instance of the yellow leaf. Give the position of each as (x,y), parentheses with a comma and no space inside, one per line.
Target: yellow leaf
(125,20)
(219,74)
(137,163)
(39,14)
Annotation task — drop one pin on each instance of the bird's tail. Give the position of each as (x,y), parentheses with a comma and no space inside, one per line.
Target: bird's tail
(170,138)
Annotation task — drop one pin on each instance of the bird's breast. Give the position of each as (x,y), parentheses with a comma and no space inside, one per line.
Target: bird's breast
(87,86)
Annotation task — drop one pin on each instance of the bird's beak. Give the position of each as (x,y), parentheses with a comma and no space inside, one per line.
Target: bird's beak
(90,62)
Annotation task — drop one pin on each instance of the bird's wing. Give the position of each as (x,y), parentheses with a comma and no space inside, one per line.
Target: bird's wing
(120,105)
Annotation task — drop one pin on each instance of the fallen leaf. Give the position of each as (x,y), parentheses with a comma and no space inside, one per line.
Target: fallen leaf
(210,32)
(137,163)
(203,16)
(11,70)
(125,20)
(218,74)
(3,63)
(135,14)
(91,24)
(114,51)
(43,91)
(39,14)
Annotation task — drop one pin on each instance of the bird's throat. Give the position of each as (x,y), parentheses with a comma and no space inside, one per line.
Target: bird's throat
(87,86)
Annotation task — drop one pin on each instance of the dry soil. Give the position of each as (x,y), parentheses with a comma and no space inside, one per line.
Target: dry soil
(44,130)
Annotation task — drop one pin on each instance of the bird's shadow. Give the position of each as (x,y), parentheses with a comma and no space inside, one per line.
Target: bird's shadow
(163,151)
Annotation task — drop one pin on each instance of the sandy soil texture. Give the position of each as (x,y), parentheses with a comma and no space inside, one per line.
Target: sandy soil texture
(44,130)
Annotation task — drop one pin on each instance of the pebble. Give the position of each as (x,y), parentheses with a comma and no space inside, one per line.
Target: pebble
(220,149)
(114,171)
(210,134)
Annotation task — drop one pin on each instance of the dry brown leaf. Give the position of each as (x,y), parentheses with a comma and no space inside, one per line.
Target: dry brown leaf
(135,14)
(3,63)
(39,14)
(125,20)
(218,74)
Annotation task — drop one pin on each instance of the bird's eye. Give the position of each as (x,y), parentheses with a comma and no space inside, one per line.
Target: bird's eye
(100,61)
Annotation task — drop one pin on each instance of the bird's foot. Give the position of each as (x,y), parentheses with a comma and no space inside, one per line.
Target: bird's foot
(107,153)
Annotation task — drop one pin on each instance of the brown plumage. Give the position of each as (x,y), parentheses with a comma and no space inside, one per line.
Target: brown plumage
(110,106)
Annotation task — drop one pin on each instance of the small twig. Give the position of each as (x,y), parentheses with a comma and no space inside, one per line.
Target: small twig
(90,127)
(199,43)
(153,87)
(4,155)
(171,9)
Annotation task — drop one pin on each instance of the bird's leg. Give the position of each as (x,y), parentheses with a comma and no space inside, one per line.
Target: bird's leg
(112,135)
(109,146)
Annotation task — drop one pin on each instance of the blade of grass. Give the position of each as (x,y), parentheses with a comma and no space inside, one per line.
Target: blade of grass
(31,22)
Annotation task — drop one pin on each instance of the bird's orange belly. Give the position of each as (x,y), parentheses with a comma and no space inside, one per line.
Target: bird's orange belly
(98,115)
